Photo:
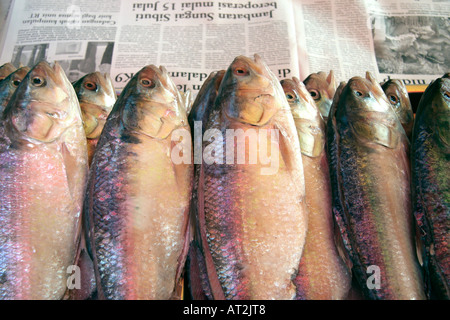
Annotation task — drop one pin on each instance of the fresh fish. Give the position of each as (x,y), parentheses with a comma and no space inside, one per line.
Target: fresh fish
(430,162)
(137,199)
(6,69)
(43,170)
(398,97)
(97,96)
(203,103)
(322,273)
(252,214)
(205,98)
(9,84)
(322,88)
(370,176)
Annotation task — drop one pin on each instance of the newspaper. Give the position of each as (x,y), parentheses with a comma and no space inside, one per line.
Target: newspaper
(406,39)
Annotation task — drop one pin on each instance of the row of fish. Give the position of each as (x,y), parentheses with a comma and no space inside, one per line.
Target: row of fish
(353,210)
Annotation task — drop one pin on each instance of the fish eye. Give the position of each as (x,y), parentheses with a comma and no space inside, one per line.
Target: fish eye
(37,81)
(239,71)
(90,85)
(290,96)
(314,94)
(16,83)
(393,99)
(147,83)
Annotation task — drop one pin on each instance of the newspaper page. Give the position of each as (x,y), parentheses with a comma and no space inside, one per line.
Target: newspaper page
(190,39)
(404,39)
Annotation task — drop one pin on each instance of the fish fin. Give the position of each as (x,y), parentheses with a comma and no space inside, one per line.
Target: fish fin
(332,84)
(178,292)
(198,284)
(186,101)
(290,153)
(340,246)
(179,278)
(76,162)
(87,283)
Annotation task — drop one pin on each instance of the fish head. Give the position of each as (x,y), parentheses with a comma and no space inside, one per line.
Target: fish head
(96,94)
(363,106)
(156,107)
(249,92)
(205,97)
(44,104)
(398,97)
(434,111)
(322,89)
(9,84)
(6,69)
(308,120)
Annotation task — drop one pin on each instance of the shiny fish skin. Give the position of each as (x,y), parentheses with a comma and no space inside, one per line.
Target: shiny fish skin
(97,96)
(322,88)
(137,199)
(43,169)
(430,158)
(398,97)
(252,226)
(322,273)
(9,84)
(202,105)
(369,170)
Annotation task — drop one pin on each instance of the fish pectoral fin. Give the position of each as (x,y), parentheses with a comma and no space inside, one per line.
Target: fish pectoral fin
(85,289)
(184,253)
(197,274)
(70,164)
(290,156)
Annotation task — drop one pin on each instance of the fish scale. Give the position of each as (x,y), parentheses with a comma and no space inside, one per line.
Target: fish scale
(371,191)
(109,256)
(322,274)
(137,197)
(429,160)
(43,169)
(252,225)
